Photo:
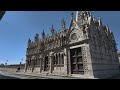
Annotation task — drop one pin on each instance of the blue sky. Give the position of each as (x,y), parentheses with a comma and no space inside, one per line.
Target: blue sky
(17,26)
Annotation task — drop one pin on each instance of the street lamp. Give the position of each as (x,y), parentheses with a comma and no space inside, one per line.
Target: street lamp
(21,61)
(6,62)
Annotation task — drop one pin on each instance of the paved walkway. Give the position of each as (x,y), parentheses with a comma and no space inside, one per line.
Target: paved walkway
(35,76)
(10,73)
(6,73)
(40,76)
(21,75)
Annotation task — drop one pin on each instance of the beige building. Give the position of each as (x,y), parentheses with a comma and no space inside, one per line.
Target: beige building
(86,49)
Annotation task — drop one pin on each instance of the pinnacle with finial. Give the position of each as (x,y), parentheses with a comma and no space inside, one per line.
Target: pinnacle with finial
(72,14)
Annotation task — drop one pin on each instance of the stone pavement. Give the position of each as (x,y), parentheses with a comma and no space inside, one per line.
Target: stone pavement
(36,76)
(40,76)
(11,72)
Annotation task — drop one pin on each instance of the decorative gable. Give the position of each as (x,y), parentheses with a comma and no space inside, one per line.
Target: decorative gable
(75,32)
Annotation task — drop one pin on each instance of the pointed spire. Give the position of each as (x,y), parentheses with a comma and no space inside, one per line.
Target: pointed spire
(72,14)
(107,28)
(94,18)
(110,31)
(29,41)
(37,37)
(100,21)
(52,30)
(77,15)
(90,20)
(89,13)
(43,34)
(63,24)
(112,35)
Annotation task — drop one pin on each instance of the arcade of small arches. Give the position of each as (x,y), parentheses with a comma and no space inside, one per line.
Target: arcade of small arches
(56,60)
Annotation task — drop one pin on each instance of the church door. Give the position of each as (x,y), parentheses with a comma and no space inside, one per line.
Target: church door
(76,61)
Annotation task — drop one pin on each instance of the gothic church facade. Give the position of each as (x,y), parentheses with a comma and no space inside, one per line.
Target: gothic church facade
(86,49)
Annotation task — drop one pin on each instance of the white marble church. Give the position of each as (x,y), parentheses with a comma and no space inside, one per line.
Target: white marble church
(86,49)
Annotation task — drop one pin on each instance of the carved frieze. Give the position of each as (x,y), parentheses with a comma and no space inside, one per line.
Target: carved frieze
(84,56)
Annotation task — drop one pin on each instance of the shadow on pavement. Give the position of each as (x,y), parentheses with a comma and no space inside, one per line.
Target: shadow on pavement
(7,77)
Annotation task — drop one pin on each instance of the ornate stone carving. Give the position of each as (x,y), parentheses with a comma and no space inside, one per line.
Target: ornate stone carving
(41,56)
(33,57)
(97,43)
(84,55)
(51,53)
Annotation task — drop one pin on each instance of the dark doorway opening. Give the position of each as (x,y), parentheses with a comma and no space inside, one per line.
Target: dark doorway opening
(46,64)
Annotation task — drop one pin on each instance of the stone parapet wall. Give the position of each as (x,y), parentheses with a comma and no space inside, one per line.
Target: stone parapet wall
(13,66)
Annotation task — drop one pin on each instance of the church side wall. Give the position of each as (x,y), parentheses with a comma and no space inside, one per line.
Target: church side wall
(89,70)
(104,59)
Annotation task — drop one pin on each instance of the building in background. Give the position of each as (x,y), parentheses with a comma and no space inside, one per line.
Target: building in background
(119,56)
(1,14)
(86,49)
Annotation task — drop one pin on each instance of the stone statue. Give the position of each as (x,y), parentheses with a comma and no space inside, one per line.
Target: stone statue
(40,56)
(51,53)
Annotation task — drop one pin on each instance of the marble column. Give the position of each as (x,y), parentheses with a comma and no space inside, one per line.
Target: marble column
(51,55)
(40,58)
(65,61)
(33,59)
(40,65)
(26,66)
(32,65)
(55,61)
(58,59)
(69,62)
(43,63)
